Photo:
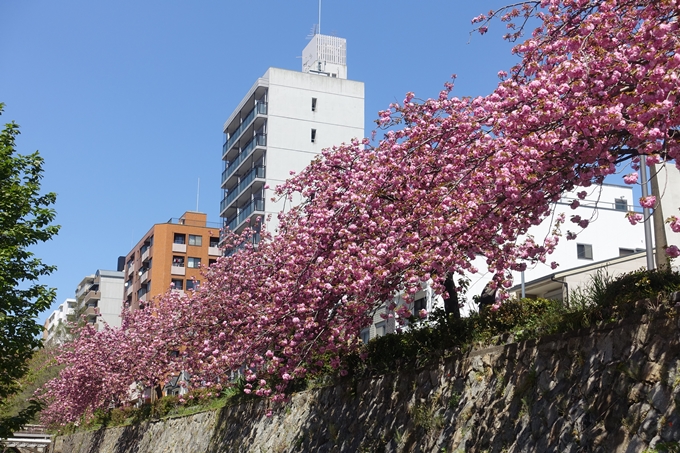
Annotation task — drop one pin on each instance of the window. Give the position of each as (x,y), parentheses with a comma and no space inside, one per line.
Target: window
(313,135)
(214,242)
(380,329)
(313,104)
(195,240)
(193,284)
(365,335)
(177,284)
(211,262)
(620,204)
(419,304)
(194,263)
(178,261)
(584,251)
(180,238)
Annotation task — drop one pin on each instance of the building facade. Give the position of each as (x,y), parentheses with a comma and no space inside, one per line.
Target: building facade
(99,298)
(285,119)
(54,328)
(170,256)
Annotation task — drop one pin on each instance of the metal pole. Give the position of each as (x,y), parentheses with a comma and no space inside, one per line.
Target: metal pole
(649,246)
(524,294)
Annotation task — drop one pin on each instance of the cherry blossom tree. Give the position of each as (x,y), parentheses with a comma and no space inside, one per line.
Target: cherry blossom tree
(452,179)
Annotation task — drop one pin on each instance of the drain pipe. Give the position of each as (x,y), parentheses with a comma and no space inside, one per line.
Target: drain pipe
(565,289)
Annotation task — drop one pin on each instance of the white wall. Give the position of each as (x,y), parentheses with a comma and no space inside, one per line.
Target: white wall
(338,118)
(111,287)
(608,231)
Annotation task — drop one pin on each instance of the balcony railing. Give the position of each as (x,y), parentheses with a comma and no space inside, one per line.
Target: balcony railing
(258,140)
(247,210)
(259,109)
(255,172)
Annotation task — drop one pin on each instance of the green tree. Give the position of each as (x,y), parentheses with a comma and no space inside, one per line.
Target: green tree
(25,220)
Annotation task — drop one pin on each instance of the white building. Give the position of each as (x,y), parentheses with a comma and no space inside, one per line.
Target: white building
(608,237)
(284,120)
(666,187)
(100,297)
(55,325)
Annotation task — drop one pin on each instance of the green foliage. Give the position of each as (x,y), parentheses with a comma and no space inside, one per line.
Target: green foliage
(595,293)
(639,285)
(25,220)
(604,300)
(41,368)
(665,447)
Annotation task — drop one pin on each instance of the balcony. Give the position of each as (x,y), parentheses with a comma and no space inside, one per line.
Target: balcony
(179,248)
(214,251)
(254,173)
(145,253)
(257,141)
(144,276)
(130,269)
(259,109)
(91,295)
(128,290)
(178,270)
(92,311)
(245,212)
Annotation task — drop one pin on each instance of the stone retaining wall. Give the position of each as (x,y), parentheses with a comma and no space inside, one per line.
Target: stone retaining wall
(615,389)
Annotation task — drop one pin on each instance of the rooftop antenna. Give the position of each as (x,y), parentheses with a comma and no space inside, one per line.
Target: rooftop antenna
(198,190)
(319,28)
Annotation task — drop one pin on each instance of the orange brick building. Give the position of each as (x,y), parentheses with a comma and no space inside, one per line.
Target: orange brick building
(170,256)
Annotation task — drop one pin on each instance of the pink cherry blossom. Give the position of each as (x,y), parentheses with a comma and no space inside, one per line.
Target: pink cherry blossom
(452,178)
(673,251)
(631,178)
(648,202)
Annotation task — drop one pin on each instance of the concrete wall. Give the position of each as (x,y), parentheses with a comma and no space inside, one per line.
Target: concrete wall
(616,389)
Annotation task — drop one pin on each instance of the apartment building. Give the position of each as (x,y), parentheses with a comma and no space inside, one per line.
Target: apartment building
(170,256)
(284,120)
(99,298)
(54,327)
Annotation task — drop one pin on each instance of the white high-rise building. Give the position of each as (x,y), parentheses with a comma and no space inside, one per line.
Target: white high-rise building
(284,120)
(55,325)
(100,297)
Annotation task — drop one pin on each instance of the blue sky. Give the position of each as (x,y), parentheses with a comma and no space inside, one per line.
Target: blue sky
(126,100)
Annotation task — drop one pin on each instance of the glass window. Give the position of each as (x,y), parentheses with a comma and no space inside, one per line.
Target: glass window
(419,304)
(365,335)
(195,240)
(194,263)
(313,135)
(584,251)
(380,329)
(620,204)
(313,104)
(193,284)
(178,261)
(177,283)
(180,238)
(214,242)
